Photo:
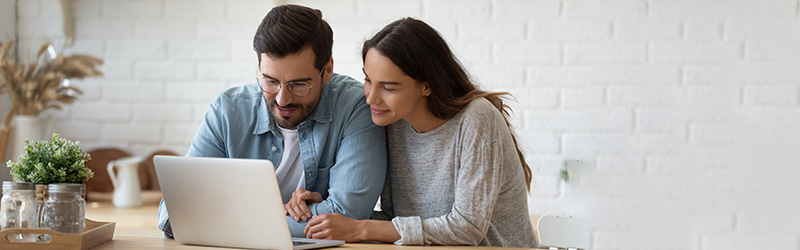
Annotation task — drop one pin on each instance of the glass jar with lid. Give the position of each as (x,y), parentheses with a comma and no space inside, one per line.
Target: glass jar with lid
(18,208)
(64,209)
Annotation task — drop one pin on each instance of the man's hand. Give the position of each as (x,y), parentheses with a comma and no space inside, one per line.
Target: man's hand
(334,227)
(297,206)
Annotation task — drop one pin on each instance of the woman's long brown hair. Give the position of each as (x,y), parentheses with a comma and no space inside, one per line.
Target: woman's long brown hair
(422,54)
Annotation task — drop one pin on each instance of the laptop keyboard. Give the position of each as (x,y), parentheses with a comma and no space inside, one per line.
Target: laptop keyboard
(300,243)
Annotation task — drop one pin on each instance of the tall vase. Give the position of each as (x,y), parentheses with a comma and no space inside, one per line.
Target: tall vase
(26,127)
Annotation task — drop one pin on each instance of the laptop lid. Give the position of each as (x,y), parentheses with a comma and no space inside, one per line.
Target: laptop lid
(224,202)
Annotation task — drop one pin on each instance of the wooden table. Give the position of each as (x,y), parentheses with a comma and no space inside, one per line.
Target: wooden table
(148,242)
(136,228)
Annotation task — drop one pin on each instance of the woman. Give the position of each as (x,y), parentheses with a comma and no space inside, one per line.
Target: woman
(456,174)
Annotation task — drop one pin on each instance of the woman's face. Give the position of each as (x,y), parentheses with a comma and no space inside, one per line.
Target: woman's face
(391,94)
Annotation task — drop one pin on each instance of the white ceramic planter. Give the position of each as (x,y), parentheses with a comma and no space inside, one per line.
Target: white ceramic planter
(26,127)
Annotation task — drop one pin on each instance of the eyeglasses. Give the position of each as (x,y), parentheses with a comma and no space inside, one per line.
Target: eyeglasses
(298,88)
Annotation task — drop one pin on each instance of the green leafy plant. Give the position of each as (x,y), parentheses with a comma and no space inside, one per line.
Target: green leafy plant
(56,161)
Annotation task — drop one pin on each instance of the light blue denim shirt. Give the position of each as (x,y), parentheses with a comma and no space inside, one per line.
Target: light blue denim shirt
(343,152)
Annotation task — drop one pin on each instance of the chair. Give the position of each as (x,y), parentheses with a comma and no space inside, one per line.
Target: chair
(534,220)
(150,169)
(562,231)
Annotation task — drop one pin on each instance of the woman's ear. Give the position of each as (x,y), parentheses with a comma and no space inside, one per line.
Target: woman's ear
(426,89)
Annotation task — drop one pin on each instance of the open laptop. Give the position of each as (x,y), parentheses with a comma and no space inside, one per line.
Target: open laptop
(227,202)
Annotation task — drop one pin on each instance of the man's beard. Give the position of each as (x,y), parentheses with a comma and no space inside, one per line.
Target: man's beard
(295,120)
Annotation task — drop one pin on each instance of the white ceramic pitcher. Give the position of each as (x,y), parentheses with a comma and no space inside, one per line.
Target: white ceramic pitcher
(127,191)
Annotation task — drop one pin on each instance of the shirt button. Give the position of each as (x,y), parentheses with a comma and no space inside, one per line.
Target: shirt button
(308,174)
(274,148)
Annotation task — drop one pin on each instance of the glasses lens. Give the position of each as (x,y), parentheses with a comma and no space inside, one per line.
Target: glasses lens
(268,86)
(271,86)
(301,93)
(300,89)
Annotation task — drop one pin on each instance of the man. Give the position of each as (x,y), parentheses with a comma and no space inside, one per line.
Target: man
(312,123)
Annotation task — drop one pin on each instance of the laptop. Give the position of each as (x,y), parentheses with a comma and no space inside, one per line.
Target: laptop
(228,203)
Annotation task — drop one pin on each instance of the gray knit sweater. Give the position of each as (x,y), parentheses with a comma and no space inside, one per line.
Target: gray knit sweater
(459,184)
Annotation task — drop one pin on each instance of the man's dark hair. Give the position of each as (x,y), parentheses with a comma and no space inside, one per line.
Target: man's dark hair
(287,29)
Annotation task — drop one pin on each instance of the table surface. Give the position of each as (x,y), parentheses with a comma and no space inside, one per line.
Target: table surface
(136,229)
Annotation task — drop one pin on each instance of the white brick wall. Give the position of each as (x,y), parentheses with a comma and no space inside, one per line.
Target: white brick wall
(605,53)
(526,53)
(696,52)
(599,9)
(192,9)
(136,50)
(685,110)
(646,30)
(569,30)
(735,9)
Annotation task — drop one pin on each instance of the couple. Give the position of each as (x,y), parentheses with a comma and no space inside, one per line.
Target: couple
(455,174)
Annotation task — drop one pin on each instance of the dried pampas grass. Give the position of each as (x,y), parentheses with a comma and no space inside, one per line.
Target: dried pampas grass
(37,86)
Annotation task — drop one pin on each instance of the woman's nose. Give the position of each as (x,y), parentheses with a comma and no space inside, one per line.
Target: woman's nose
(372,96)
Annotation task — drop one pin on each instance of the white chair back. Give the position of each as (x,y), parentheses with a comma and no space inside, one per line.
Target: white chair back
(563,231)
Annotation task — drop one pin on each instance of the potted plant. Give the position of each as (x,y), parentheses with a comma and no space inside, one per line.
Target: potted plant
(56,161)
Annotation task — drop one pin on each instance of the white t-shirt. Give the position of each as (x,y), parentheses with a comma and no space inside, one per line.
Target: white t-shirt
(290,172)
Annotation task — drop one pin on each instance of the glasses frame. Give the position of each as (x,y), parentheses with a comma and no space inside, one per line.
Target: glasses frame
(290,85)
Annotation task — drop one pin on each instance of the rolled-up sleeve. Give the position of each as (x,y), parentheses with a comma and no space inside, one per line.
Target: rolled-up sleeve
(410,231)
(163,220)
(358,174)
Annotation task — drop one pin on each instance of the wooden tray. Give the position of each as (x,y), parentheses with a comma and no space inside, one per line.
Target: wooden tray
(96,233)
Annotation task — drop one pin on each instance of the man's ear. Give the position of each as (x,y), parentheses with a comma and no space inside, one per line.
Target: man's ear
(328,71)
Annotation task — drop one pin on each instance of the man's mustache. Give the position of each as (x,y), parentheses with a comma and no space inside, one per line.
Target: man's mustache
(290,106)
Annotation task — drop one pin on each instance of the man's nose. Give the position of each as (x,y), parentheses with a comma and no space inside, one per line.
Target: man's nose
(284,96)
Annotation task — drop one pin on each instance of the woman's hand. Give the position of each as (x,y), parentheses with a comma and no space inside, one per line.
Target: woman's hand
(297,206)
(334,227)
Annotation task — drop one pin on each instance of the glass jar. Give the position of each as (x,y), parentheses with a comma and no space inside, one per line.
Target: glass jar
(18,208)
(64,209)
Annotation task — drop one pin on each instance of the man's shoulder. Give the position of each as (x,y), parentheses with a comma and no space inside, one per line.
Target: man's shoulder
(243,94)
(239,103)
(346,85)
(345,90)
(342,100)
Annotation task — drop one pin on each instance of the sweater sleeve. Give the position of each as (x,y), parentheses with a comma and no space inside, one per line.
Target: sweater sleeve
(477,188)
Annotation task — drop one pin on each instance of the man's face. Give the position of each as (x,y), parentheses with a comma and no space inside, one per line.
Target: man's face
(285,106)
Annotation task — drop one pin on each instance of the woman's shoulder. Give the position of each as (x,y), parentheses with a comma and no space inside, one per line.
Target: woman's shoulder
(481,105)
(481,111)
